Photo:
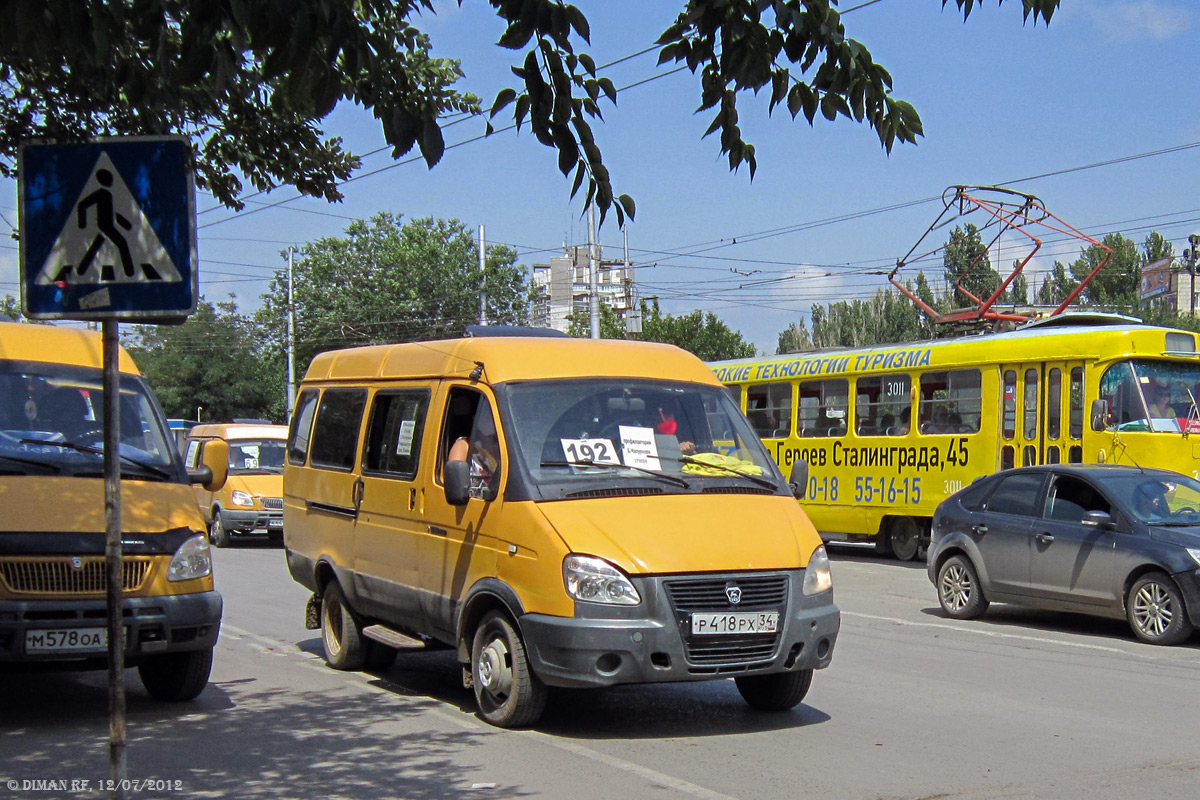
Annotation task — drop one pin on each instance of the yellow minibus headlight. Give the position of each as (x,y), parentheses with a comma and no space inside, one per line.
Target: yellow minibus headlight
(594,580)
(241,498)
(192,560)
(817,577)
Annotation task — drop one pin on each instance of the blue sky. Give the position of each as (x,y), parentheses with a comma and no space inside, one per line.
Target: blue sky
(1106,97)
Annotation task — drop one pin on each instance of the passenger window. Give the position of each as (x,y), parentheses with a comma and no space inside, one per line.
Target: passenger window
(1070,498)
(1031,404)
(951,402)
(301,429)
(823,407)
(1018,494)
(1053,403)
(882,405)
(1009,404)
(335,434)
(769,409)
(394,433)
(1076,421)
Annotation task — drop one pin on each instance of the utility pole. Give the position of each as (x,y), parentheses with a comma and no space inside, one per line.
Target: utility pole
(593,278)
(1191,256)
(291,336)
(482,279)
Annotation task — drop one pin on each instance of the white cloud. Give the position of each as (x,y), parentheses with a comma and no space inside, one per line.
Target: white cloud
(1135,20)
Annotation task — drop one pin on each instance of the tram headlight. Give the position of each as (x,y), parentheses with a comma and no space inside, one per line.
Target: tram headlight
(817,577)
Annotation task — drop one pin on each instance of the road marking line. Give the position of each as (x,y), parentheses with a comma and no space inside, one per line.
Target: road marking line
(995,634)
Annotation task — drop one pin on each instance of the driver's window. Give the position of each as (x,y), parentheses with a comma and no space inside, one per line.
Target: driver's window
(1071,498)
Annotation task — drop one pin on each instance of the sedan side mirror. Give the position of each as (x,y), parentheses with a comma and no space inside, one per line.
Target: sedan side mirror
(799,479)
(1097,519)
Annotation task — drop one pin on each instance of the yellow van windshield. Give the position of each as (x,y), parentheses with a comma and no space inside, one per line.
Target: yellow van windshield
(675,435)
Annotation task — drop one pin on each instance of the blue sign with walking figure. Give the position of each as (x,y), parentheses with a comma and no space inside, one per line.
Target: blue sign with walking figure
(108,230)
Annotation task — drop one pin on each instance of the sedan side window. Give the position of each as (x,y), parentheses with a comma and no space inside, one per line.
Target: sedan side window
(1018,494)
(1070,498)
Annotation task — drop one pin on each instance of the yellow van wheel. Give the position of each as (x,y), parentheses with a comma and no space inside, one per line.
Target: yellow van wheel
(509,695)
(777,692)
(345,647)
(217,535)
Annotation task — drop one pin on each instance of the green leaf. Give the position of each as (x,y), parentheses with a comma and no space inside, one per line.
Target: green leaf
(628,205)
(503,98)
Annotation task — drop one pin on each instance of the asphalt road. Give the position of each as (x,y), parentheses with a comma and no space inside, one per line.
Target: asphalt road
(1019,704)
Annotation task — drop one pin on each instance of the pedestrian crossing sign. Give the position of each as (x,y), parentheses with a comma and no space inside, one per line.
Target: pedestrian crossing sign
(108,230)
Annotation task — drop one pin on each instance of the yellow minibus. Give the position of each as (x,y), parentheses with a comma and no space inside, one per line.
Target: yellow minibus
(562,512)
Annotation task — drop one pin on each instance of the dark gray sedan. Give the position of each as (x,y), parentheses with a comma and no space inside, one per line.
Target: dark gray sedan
(1106,540)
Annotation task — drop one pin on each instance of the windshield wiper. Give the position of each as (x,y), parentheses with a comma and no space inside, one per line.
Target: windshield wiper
(729,470)
(87,448)
(33,462)
(653,473)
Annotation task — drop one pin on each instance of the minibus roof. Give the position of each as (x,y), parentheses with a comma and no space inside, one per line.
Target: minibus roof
(21,341)
(509,358)
(239,430)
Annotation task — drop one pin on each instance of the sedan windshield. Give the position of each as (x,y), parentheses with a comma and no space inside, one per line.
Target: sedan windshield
(52,422)
(1157,500)
(676,437)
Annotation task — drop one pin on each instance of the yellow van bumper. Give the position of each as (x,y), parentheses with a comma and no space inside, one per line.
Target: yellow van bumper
(68,632)
(653,642)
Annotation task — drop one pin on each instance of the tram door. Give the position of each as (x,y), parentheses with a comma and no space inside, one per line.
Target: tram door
(1021,417)
(1041,414)
(1063,412)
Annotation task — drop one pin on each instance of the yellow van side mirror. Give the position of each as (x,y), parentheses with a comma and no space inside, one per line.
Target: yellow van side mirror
(214,465)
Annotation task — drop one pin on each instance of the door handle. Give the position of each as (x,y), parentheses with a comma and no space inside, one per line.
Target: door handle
(1045,538)
(979,529)
(436,531)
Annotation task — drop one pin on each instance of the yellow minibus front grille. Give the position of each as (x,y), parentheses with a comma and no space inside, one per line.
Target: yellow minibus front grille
(67,575)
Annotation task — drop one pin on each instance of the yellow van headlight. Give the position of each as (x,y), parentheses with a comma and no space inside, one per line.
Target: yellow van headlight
(594,580)
(192,560)
(241,498)
(817,577)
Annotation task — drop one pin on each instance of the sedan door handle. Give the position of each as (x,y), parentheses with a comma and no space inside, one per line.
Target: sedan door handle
(979,529)
(1045,538)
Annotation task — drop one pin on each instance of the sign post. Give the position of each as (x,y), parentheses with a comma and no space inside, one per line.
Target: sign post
(108,232)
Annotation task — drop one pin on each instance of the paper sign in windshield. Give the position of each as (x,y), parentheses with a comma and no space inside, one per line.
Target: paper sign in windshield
(638,447)
(590,451)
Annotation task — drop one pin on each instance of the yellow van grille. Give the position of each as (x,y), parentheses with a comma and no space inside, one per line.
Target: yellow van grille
(67,575)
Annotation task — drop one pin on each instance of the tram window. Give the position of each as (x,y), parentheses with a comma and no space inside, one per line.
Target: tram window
(1075,429)
(1009,402)
(1075,454)
(1119,388)
(950,402)
(823,407)
(1052,454)
(735,392)
(882,405)
(1031,404)
(1028,456)
(1006,457)
(1053,403)
(769,409)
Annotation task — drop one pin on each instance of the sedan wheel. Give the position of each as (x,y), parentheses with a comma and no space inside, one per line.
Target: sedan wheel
(958,588)
(1156,611)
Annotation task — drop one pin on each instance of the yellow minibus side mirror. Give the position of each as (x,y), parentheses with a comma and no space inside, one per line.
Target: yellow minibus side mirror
(214,465)
(458,482)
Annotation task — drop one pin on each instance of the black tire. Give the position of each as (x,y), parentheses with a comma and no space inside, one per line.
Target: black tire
(904,536)
(176,677)
(778,692)
(507,692)
(959,592)
(341,634)
(217,535)
(1156,611)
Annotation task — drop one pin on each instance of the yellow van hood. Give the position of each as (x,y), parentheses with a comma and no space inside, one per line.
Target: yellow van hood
(48,503)
(687,533)
(258,485)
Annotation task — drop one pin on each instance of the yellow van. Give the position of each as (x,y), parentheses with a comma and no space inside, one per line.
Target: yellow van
(52,533)
(614,519)
(251,501)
